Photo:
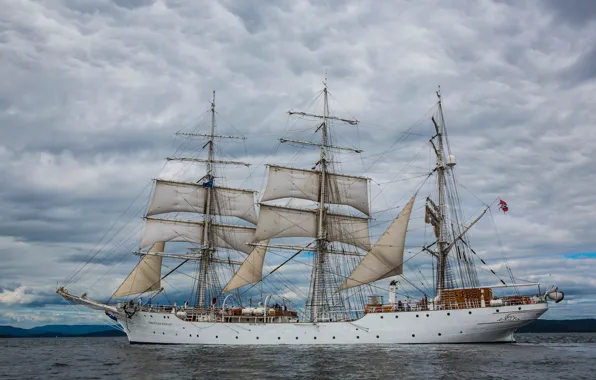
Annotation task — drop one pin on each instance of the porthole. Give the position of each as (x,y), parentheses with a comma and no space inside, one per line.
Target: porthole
(497,310)
(469,312)
(315,338)
(296,338)
(333,337)
(278,338)
(356,328)
(519,308)
(448,314)
(439,334)
(190,335)
(163,333)
(236,337)
(197,335)
(461,332)
(396,317)
(377,337)
(257,338)
(381,317)
(216,337)
(153,332)
(427,315)
(413,335)
(417,315)
(357,337)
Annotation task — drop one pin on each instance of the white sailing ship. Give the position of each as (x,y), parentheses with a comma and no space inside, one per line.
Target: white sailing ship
(349,278)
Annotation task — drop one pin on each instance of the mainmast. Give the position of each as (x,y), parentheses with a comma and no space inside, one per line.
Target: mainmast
(324,186)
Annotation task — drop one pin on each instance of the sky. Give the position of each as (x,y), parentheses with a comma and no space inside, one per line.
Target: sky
(92,92)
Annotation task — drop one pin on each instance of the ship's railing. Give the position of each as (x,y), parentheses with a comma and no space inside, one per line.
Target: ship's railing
(468,304)
(215,313)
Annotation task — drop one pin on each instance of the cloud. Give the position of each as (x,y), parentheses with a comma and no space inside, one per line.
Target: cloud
(93,91)
(17,295)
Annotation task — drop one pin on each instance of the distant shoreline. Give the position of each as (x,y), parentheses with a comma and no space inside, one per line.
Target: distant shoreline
(539,326)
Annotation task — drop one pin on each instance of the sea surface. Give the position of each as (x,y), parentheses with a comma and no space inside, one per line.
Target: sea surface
(534,356)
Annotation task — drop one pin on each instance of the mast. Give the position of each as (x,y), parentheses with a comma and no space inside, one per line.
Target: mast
(323,186)
(207,250)
(318,287)
(200,197)
(442,228)
(210,200)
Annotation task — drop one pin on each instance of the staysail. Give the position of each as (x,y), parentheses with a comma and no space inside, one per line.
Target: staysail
(145,277)
(386,257)
(251,270)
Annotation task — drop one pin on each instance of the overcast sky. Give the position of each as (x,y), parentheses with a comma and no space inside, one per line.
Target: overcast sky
(92,92)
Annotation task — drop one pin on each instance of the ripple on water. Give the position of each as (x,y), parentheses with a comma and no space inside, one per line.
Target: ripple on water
(561,356)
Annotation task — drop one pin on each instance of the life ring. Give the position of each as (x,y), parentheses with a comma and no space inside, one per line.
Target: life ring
(527,301)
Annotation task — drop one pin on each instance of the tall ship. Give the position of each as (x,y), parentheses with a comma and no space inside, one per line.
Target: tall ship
(354,292)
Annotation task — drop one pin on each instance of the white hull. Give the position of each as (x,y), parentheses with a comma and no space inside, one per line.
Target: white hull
(477,325)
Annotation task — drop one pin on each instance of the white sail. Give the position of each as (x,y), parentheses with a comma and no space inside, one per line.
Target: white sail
(285,182)
(251,270)
(280,222)
(386,258)
(170,196)
(305,184)
(145,277)
(348,229)
(225,236)
(233,237)
(349,190)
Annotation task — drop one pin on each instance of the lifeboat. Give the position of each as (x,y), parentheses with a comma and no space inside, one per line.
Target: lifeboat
(555,294)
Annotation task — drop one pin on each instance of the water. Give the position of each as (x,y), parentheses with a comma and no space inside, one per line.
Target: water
(535,356)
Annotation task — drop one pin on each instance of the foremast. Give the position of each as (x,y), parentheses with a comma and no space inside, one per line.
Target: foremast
(202,197)
(207,280)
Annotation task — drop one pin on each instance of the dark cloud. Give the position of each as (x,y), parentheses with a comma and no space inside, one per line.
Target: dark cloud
(578,12)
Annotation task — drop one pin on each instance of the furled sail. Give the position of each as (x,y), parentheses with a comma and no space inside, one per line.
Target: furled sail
(224,235)
(280,222)
(170,196)
(305,184)
(386,257)
(251,270)
(431,216)
(145,277)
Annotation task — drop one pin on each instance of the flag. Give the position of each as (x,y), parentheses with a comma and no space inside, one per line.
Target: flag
(503,206)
